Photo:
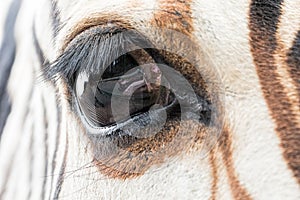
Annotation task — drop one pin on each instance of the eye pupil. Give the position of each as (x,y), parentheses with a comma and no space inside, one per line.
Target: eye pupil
(124,80)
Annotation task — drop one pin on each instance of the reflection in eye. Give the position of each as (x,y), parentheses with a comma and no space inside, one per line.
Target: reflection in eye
(125,80)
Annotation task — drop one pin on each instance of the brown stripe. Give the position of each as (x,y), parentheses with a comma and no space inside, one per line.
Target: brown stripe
(225,145)
(214,172)
(293,61)
(175,15)
(264,19)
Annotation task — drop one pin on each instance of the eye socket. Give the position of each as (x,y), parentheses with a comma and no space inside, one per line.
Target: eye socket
(129,81)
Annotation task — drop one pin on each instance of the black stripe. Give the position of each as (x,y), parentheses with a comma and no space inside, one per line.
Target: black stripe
(264,19)
(42,59)
(46,149)
(5,108)
(42,62)
(55,16)
(31,151)
(11,162)
(61,176)
(7,57)
(57,142)
(293,62)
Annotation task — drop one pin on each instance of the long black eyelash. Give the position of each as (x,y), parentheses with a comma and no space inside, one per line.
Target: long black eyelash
(76,55)
(91,52)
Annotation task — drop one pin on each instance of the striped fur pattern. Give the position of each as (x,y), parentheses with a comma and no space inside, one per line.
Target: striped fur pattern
(254,46)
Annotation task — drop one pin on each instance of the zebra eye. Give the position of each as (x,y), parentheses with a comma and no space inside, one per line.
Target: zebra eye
(128,87)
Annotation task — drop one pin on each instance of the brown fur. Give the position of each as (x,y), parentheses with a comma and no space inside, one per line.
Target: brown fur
(175,15)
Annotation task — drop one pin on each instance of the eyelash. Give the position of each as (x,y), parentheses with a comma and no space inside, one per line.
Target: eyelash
(83,46)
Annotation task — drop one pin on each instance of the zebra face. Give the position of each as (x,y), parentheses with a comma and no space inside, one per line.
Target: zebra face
(150,99)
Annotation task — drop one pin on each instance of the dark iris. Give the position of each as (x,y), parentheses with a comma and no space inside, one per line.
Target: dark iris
(124,86)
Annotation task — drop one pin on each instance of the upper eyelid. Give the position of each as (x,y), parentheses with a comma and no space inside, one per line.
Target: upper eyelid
(106,23)
(94,30)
